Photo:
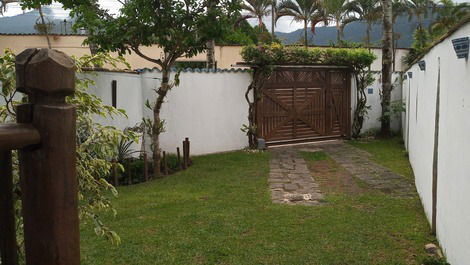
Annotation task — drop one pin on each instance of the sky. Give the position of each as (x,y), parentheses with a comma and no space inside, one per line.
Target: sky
(284,24)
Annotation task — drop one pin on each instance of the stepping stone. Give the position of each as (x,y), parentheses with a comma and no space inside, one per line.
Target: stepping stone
(290,187)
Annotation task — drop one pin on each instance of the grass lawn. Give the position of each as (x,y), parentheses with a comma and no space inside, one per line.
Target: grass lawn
(219,211)
(387,152)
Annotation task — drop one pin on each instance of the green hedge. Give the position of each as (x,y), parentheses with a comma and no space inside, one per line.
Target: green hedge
(276,54)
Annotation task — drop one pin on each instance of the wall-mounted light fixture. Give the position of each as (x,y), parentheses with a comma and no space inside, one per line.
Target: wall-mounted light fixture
(422,65)
(410,74)
(461,47)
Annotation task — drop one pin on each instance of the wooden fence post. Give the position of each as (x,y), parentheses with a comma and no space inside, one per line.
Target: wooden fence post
(178,157)
(184,155)
(48,171)
(8,245)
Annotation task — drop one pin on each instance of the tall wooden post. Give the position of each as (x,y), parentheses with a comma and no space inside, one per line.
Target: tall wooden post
(8,245)
(48,171)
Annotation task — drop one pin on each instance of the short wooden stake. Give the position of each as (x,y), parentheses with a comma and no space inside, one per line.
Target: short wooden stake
(129,172)
(146,167)
(165,163)
(178,158)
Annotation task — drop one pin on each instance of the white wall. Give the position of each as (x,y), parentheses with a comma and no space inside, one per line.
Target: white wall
(453,195)
(371,122)
(209,108)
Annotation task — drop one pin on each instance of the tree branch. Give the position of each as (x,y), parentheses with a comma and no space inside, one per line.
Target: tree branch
(138,52)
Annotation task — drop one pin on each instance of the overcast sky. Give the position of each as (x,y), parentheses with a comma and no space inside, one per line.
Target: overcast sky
(284,24)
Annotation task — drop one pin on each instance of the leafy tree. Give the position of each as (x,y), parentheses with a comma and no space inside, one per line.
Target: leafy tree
(367,10)
(305,11)
(399,7)
(420,9)
(339,13)
(96,143)
(242,33)
(448,15)
(256,9)
(179,27)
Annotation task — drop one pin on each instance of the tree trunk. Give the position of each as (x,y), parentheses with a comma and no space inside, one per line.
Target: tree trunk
(387,42)
(305,34)
(45,27)
(273,18)
(211,54)
(369,28)
(157,122)
(338,33)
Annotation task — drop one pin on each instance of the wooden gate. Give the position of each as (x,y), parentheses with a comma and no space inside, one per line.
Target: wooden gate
(302,104)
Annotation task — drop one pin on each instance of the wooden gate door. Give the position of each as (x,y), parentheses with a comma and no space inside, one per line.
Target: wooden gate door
(304,104)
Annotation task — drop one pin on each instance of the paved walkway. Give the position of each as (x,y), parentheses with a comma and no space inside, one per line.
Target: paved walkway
(291,181)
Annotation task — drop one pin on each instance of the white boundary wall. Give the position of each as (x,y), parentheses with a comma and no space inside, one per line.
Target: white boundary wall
(209,108)
(372,122)
(453,188)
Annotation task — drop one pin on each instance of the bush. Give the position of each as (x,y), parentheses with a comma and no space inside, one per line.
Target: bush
(276,54)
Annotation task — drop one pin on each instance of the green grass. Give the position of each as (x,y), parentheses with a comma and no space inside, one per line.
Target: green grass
(314,156)
(219,212)
(387,152)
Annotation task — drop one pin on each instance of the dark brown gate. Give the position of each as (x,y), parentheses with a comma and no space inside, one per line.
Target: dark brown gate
(303,104)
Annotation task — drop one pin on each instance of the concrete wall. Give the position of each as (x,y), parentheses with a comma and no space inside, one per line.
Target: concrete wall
(371,122)
(209,108)
(453,187)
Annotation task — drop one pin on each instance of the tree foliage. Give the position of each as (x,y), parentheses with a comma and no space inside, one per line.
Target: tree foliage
(96,143)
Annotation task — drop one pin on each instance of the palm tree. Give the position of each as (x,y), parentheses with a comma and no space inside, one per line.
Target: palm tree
(399,7)
(387,54)
(273,16)
(256,9)
(420,9)
(448,15)
(305,11)
(368,10)
(339,13)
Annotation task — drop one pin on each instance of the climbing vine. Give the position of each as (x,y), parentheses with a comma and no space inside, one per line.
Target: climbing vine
(263,59)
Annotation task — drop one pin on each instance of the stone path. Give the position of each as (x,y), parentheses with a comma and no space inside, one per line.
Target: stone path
(358,162)
(291,181)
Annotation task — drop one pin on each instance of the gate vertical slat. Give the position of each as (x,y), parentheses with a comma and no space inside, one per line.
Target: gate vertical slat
(8,244)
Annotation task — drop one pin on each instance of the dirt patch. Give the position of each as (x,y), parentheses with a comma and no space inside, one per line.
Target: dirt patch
(333,178)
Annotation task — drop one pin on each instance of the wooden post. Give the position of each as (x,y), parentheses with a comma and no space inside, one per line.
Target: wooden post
(184,155)
(146,167)
(8,245)
(165,163)
(48,171)
(129,172)
(188,161)
(178,157)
